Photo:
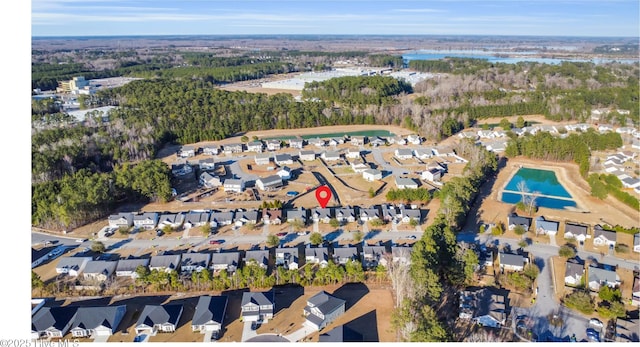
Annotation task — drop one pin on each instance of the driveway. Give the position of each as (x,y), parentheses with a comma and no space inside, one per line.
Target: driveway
(300,334)
(247,333)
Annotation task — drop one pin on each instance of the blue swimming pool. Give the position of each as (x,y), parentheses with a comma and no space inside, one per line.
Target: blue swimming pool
(551,194)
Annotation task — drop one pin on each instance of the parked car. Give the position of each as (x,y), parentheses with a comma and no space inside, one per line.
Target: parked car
(81,240)
(596,322)
(302,233)
(254,325)
(159,232)
(281,234)
(593,335)
(216,242)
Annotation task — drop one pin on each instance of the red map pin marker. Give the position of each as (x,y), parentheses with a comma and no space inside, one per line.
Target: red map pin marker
(323,195)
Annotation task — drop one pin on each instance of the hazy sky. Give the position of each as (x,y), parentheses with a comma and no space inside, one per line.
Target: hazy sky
(436,17)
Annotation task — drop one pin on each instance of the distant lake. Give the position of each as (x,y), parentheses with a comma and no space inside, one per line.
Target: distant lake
(495,57)
(368,133)
(543,182)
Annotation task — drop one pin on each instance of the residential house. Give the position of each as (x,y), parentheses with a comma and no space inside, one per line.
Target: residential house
(207,164)
(636,242)
(158,318)
(269,183)
(197,262)
(372,256)
(187,151)
(341,255)
(576,231)
(336,141)
(254,146)
(602,275)
(272,216)
(317,142)
(323,215)
(299,214)
(274,145)
(401,255)
(353,153)
(283,159)
(358,140)
(406,183)
(546,227)
(97,321)
(227,261)
(296,143)
(307,155)
(496,146)
(484,307)
(284,173)
(627,330)
(345,214)
(233,148)
(635,291)
(433,175)
(423,153)
(287,257)
(99,270)
(389,212)
(630,182)
(407,215)
(128,267)
(39,256)
(513,220)
(211,149)
(147,220)
(358,166)
(243,217)
(322,309)
(72,266)
(604,128)
(414,139)
(233,185)
(317,255)
(221,218)
(573,273)
(399,140)
(52,321)
(512,262)
(378,141)
(372,175)
(603,237)
(173,220)
(260,257)
(403,153)
(166,263)
(341,333)
(262,159)
(518,131)
(209,314)
(443,152)
(196,218)
(331,155)
(257,306)
(121,220)
(468,135)
(485,134)
(181,169)
(371,213)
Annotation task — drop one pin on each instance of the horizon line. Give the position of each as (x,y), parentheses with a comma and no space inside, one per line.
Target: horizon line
(328,35)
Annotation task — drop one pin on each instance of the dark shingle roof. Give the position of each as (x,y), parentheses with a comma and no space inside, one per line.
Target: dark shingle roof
(92,317)
(56,317)
(210,308)
(159,314)
(258,298)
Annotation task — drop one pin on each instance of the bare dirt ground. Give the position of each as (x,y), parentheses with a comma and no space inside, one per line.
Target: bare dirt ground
(255,86)
(492,210)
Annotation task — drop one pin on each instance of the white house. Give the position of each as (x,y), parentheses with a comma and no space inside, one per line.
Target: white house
(166,263)
(433,175)
(257,306)
(603,128)
(99,270)
(322,309)
(211,149)
(233,148)
(269,183)
(209,314)
(274,145)
(209,181)
(158,318)
(121,220)
(603,275)
(296,143)
(262,159)
(254,146)
(128,267)
(546,227)
(233,185)
(353,153)
(307,155)
(72,266)
(284,173)
(317,255)
(603,237)
(484,307)
(192,261)
(405,183)
(97,321)
(372,175)
(414,139)
(331,155)
(52,321)
(147,220)
(403,153)
(287,257)
(423,153)
(359,167)
(187,151)
(283,159)
(574,270)
(512,262)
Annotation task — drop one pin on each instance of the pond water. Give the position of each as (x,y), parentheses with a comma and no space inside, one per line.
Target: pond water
(543,182)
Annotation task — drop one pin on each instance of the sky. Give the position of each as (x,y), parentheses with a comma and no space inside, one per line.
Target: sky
(335,17)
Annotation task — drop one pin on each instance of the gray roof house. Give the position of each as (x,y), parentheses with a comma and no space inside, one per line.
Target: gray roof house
(599,276)
(283,159)
(574,270)
(513,220)
(262,159)
(389,212)
(99,270)
(345,214)
(158,318)
(147,220)
(322,214)
(330,155)
(121,220)
(244,217)
(97,321)
(261,257)
(401,254)
(174,220)
(297,214)
(269,183)
(287,257)
(209,314)
(211,149)
(406,183)
(233,185)
(52,321)
(403,153)
(257,306)
(372,256)
(209,181)
(127,267)
(603,237)
(190,262)
(165,262)
(232,148)
(576,231)
(220,218)
(371,213)
(72,266)
(296,143)
(318,255)
(254,146)
(513,262)
(322,309)
(227,261)
(307,155)
(341,255)
(273,145)
(196,218)
(484,307)
(407,215)
(546,227)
